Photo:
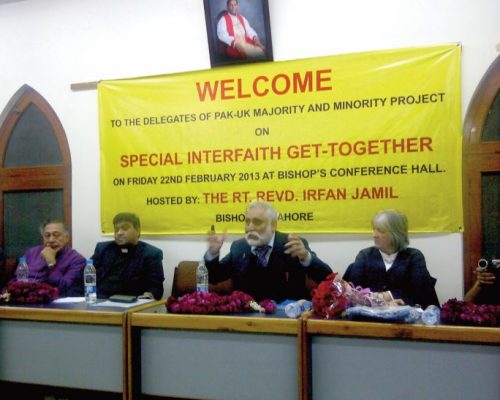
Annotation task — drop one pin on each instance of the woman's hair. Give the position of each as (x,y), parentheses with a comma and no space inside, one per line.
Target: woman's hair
(396,224)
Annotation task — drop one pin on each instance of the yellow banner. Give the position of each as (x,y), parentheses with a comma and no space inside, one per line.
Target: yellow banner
(329,141)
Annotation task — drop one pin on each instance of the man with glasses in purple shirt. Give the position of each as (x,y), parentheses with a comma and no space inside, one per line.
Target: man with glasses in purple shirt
(54,261)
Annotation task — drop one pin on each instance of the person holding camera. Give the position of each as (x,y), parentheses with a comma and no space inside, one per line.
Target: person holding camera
(486,289)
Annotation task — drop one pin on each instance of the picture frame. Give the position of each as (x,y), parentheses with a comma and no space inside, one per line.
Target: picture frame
(233,48)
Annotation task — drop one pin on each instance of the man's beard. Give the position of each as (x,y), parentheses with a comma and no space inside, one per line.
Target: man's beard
(256,239)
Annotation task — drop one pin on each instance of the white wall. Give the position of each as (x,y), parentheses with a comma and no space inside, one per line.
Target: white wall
(49,44)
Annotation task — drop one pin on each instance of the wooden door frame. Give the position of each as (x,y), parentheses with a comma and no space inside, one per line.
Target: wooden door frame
(478,157)
(45,177)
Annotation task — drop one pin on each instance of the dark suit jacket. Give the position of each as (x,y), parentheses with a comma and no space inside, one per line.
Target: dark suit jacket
(283,277)
(407,279)
(143,272)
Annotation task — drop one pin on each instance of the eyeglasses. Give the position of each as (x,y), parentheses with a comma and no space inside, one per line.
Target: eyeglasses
(55,235)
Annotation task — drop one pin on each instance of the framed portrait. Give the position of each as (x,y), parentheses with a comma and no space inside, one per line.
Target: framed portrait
(238,31)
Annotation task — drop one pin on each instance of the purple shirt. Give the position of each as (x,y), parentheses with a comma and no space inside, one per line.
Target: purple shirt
(66,275)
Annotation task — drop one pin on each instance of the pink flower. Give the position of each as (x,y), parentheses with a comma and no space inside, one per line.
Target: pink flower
(213,303)
(458,312)
(269,306)
(31,292)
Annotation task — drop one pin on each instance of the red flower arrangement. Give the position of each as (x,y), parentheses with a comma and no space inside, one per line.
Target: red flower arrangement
(30,292)
(334,295)
(456,312)
(213,303)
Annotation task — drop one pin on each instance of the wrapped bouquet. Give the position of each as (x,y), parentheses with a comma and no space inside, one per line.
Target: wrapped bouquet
(334,295)
(29,292)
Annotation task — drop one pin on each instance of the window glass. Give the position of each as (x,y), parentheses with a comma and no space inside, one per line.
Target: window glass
(24,212)
(490,183)
(33,142)
(491,132)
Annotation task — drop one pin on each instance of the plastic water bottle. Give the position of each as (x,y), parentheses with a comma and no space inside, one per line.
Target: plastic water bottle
(201,278)
(431,315)
(22,271)
(414,315)
(295,310)
(89,282)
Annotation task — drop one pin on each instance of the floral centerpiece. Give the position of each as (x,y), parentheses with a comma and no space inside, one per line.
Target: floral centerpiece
(30,292)
(213,303)
(456,312)
(334,295)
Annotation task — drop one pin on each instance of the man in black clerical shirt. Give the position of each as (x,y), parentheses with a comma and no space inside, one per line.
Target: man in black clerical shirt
(266,264)
(128,265)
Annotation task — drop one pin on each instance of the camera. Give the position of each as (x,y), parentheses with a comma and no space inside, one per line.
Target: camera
(491,265)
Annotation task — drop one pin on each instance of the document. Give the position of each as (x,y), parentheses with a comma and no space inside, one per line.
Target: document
(108,303)
(69,300)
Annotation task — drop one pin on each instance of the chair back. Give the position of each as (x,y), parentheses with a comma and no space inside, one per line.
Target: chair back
(185,280)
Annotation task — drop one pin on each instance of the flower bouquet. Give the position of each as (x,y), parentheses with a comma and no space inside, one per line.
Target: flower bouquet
(456,312)
(334,295)
(336,298)
(213,303)
(30,292)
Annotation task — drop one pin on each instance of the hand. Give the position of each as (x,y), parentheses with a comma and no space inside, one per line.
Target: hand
(238,46)
(485,278)
(391,301)
(379,299)
(49,254)
(215,241)
(295,247)
(258,43)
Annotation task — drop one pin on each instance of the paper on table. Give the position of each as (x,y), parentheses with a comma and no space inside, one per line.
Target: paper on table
(108,303)
(69,300)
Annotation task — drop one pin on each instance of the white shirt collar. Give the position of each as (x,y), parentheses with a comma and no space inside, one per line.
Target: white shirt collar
(388,258)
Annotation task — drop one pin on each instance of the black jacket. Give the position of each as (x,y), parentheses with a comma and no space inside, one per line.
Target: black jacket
(143,270)
(283,277)
(407,279)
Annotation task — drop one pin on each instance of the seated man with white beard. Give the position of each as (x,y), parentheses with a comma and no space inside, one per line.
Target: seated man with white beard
(266,264)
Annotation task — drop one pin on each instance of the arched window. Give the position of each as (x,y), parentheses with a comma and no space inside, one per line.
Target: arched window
(481,173)
(35,172)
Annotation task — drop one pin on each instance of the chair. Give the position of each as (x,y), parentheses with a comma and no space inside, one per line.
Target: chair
(185,280)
